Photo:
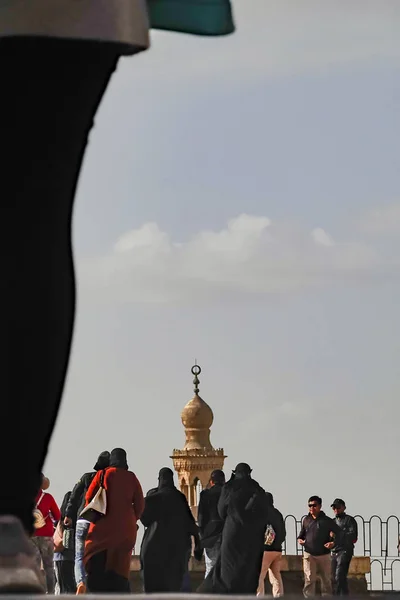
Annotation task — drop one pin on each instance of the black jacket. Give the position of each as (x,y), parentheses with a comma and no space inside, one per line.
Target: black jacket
(77,500)
(349,528)
(208,519)
(317,532)
(276,520)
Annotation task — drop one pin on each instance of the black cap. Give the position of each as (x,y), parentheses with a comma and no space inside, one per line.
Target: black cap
(337,503)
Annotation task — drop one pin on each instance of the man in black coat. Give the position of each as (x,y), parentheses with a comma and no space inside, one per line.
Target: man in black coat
(343,551)
(275,535)
(316,538)
(208,519)
(74,508)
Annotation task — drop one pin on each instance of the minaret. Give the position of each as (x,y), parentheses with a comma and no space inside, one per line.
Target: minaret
(198,459)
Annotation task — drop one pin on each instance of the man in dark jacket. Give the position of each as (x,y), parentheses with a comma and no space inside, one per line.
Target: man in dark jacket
(343,550)
(316,538)
(208,519)
(275,535)
(74,508)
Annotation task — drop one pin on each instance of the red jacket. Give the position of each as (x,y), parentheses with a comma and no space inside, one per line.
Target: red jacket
(116,531)
(50,512)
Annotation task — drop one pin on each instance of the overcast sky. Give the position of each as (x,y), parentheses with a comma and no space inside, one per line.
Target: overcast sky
(240,204)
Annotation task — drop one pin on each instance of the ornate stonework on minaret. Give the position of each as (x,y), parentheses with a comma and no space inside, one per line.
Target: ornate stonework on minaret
(195,463)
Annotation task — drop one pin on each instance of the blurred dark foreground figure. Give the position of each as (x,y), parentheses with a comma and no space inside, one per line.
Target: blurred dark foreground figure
(57,58)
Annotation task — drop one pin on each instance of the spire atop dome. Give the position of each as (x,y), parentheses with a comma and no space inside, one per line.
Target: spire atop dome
(197,418)
(198,459)
(196,370)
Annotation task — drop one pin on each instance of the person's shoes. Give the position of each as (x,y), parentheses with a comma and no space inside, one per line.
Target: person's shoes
(18,567)
(81,589)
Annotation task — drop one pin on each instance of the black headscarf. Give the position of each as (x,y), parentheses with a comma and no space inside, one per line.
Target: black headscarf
(118,459)
(166,478)
(242,470)
(103,461)
(270,498)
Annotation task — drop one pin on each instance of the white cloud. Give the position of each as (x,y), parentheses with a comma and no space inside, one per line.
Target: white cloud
(322,238)
(383,220)
(148,236)
(251,255)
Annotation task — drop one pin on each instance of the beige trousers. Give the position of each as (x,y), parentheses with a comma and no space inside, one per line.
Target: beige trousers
(313,566)
(271,563)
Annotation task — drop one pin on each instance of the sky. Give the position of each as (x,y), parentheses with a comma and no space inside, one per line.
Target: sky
(240,205)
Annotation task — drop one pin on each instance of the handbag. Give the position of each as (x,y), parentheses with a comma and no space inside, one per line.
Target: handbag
(270,536)
(38,519)
(69,539)
(199,17)
(97,507)
(58,539)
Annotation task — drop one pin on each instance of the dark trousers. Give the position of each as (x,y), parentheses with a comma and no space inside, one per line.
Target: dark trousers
(340,568)
(50,92)
(101,581)
(65,576)
(186,583)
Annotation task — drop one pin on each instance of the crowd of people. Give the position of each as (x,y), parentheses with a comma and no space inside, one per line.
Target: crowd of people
(86,546)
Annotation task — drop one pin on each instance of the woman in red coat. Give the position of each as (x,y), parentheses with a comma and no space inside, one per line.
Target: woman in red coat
(111,539)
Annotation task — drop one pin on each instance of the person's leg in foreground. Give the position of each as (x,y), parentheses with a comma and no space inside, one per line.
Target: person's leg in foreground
(65,575)
(82,528)
(325,572)
(267,558)
(45,546)
(51,90)
(275,576)
(310,575)
(340,569)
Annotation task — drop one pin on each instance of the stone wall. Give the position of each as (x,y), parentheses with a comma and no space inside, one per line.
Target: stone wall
(292,575)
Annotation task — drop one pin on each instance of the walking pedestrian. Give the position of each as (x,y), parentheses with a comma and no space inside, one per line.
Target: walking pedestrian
(343,550)
(315,537)
(47,516)
(111,539)
(275,535)
(167,542)
(64,552)
(208,519)
(74,508)
(57,58)
(242,506)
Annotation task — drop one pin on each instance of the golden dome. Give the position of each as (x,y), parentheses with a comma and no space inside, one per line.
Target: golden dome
(197,418)
(197,414)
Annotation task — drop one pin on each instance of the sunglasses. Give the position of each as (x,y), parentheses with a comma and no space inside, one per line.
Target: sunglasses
(313,505)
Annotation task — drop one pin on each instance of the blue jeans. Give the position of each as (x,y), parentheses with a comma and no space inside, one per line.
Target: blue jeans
(82,528)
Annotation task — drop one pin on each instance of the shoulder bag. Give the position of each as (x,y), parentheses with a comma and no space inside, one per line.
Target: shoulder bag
(97,507)
(39,520)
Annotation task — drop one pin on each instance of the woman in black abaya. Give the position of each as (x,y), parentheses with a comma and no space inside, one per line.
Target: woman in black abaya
(243,508)
(170,526)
